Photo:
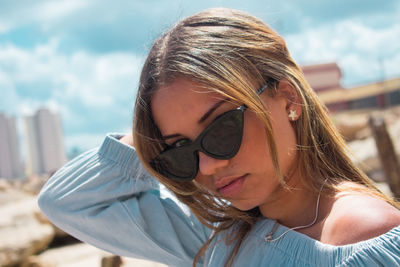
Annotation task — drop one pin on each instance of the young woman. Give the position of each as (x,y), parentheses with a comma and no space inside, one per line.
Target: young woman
(225,120)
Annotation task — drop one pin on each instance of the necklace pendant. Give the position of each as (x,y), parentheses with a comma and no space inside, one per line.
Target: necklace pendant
(268,238)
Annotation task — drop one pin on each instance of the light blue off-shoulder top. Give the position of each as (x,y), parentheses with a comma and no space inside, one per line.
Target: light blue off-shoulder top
(104,197)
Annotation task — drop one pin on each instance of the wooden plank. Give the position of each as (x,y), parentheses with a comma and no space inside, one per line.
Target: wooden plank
(387,153)
(363,91)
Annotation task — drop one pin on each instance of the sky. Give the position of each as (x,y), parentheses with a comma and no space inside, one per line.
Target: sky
(82,58)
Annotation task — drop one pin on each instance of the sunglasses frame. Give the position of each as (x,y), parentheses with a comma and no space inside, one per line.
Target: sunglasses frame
(196,146)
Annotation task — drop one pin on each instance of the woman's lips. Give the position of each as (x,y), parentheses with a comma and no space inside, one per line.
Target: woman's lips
(232,188)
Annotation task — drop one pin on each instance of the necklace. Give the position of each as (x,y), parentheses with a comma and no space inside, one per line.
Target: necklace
(269,236)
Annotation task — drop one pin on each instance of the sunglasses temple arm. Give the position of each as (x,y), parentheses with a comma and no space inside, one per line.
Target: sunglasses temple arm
(259,92)
(262,89)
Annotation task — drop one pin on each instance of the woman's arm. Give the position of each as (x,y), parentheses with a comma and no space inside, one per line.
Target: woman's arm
(104,197)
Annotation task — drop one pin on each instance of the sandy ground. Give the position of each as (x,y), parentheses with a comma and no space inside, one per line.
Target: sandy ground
(84,255)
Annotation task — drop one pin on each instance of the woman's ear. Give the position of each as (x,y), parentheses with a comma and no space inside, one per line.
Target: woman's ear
(292,99)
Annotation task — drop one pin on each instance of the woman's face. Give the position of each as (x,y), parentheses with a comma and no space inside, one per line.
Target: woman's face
(247,180)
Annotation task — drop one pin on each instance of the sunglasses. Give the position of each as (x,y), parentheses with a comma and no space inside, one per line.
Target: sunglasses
(221,139)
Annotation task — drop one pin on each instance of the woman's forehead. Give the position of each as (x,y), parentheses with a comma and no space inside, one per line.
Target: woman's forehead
(183,104)
(185,91)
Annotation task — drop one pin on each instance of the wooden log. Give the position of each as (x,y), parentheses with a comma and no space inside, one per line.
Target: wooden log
(387,153)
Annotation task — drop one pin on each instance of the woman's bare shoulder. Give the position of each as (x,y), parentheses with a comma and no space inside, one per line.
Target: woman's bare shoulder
(358,216)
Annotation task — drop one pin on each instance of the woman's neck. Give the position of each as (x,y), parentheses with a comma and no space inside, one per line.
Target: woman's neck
(291,208)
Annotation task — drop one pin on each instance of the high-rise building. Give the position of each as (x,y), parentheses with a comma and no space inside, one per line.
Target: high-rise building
(46,151)
(10,161)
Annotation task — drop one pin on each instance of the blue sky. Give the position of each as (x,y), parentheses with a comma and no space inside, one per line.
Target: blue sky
(82,58)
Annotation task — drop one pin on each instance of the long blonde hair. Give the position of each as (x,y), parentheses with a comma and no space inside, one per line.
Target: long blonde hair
(233,53)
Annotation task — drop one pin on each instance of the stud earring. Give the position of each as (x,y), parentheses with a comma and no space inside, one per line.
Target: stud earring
(292,114)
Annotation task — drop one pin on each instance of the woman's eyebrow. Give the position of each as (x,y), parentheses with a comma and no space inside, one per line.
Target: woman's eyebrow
(211,110)
(203,118)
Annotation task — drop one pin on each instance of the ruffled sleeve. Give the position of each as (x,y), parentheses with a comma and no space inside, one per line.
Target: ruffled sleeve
(381,251)
(297,249)
(105,197)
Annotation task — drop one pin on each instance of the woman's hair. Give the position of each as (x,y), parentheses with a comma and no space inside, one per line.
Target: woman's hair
(232,53)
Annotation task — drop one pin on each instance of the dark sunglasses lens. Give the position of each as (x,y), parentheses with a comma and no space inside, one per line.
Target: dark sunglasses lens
(224,135)
(221,139)
(178,164)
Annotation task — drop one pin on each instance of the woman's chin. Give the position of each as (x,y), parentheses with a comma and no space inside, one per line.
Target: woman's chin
(243,206)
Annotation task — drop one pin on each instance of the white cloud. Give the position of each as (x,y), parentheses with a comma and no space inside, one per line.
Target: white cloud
(100,80)
(4,27)
(77,85)
(56,10)
(356,47)
(44,12)
(9,95)
(84,141)
(391,65)
(95,79)
(27,106)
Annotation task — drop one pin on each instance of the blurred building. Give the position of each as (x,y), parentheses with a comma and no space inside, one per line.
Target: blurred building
(323,77)
(325,80)
(368,96)
(10,161)
(46,151)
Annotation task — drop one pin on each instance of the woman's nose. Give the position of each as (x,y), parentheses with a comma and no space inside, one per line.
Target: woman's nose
(209,165)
